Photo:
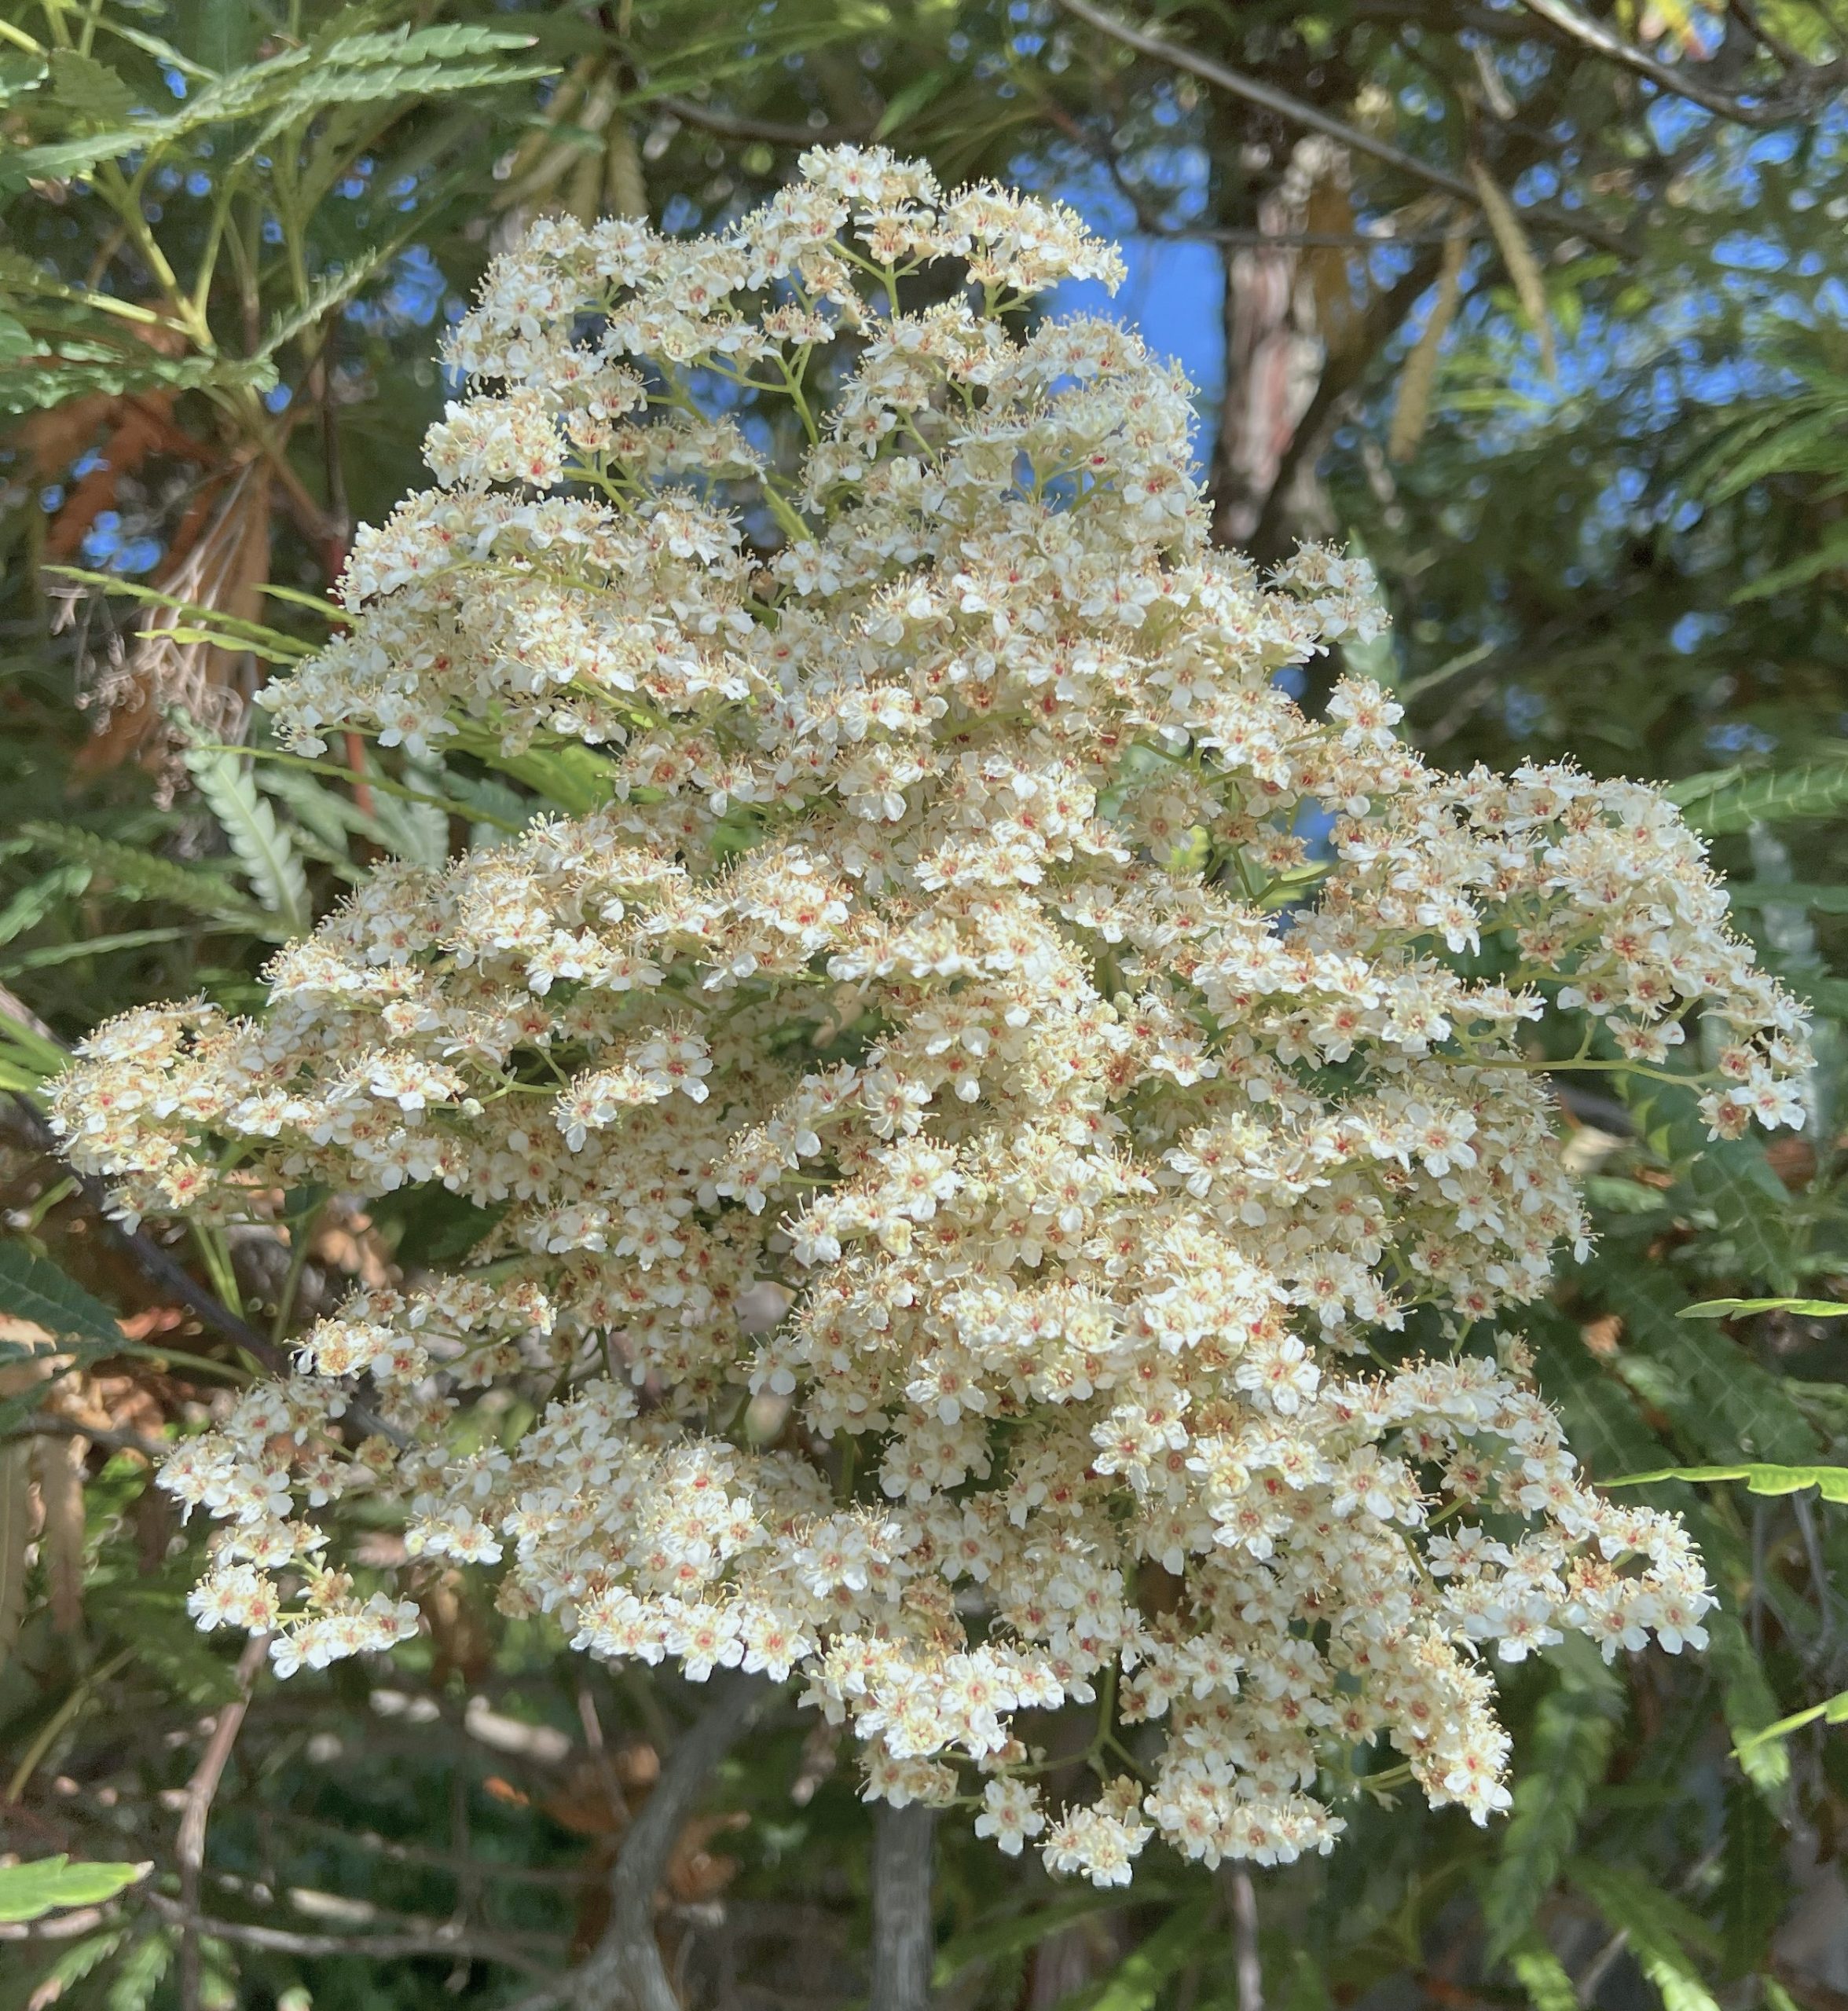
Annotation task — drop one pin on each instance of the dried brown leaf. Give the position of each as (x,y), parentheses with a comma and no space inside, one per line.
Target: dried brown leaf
(1517,255)
(1411,410)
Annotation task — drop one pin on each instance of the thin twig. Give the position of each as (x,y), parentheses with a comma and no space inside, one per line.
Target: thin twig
(1254,91)
(1796,99)
(625,1967)
(600,1756)
(903,1935)
(742,125)
(200,1792)
(436,1860)
(438,1939)
(43,1425)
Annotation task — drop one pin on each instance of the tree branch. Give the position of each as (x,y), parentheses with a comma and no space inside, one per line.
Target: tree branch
(44,1425)
(1799,98)
(742,125)
(441,1939)
(903,1933)
(1299,113)
(1339,377)
(1247,1960)
(625,1967)
(1266,97)
(200,1792)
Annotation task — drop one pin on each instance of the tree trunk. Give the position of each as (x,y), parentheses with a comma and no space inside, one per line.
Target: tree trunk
(904,1935)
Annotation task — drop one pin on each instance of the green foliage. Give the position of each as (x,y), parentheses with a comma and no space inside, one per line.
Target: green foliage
(1728,806)
(1831,1482)
(1136,1981)
(31,1288)
(262,846)
(1567,1752)
(1644,567)
(29,1891)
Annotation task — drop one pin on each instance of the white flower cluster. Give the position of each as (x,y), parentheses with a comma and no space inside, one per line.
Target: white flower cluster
(955,1154)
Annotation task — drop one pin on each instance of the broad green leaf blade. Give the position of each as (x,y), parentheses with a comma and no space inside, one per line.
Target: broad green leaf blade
(28,1892)
(33,1288)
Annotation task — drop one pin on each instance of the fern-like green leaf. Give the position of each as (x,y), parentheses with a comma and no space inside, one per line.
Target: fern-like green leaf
(1803,1309)
(1816,789)
(1750,1705)
(139,1973)
(151,877)
(1572,1742)
(1831,1482)
(1542,1976)
(1753,1892)
(260,844)
(1662,1932)
(1136,1982)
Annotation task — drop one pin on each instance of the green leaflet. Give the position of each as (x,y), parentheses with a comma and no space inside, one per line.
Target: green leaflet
(1750,1704)
(1542,1976)
(48,953)
(1831,1482)
(34,1289)
(28,1892)
(1831,1711)
(138,1974)
(1659,1927)
(229,631)
(575,779)
(915,96)
(57,368)
(261,844)
(153,877)
(1816,789)
(1833,551)
(1805,1309)
(90,89)
(1798,432)
(78,1961)
(994,1940)
(1730,1178)
(1739,1406)
(39,898)
(1601,1421)
(1573,1729)
(1133,1984)
(295,83)
(151,1615)
(1754,1891)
